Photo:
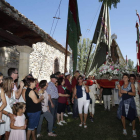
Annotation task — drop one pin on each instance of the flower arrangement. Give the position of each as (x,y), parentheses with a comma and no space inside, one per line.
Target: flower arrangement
(111,69)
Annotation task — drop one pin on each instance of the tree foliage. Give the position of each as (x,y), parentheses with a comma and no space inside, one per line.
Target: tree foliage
(130,64)
(111,2)
(83,51)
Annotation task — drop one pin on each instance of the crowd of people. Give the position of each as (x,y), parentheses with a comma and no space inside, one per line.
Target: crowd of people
(23,107)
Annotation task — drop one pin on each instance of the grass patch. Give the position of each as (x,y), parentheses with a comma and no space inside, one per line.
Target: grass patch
(106,126)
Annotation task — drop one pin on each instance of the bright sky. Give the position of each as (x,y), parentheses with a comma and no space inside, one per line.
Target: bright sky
(123,19)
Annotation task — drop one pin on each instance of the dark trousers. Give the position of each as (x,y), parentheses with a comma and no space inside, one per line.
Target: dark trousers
(54,110)
(68,109)
(75,108)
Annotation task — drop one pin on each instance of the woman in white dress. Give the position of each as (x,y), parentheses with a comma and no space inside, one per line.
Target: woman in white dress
(2,99)
(7,115)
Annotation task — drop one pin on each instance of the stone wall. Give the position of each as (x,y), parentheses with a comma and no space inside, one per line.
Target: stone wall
(9,58)
(42,61)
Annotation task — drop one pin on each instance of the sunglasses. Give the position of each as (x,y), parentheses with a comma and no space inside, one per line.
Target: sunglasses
(15,73)
(80,79)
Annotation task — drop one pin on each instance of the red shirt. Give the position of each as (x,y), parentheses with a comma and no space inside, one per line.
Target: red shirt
(74,82)
(60,98)
(68,85)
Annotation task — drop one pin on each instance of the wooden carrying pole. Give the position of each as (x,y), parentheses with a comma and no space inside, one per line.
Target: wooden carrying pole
(66,54)
(88,59)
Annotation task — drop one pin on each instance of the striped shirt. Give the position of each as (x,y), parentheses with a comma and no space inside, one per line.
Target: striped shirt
(52,90)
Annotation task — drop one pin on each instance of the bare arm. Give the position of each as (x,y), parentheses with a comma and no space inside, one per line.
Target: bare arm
(23,94)
(63,95)
(133,93)
(11,116)
(74,92)
(4,103)
(50,100)
(120,95)
(119,87)
(34,98)
(98,86)
(87,89)
(101,89)
(17,127)
(19,91)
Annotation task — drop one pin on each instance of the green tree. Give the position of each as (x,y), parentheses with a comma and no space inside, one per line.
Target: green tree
(130,64)
(111,2)
(83,51)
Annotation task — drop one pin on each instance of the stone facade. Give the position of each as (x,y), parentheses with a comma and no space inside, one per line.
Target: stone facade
(45,60)
(9,58)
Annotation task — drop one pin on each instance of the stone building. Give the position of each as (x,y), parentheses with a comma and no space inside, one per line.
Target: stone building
(25,46)
(45,60)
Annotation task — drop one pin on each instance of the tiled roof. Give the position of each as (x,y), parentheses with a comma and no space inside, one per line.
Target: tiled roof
(12,12)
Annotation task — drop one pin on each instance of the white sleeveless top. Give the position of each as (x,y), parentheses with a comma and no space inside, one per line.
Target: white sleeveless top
(84,91)
(92,89)
(21,97)
(10,102)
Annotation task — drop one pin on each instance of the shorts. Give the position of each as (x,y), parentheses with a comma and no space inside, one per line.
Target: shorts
(33,120)
(61,107)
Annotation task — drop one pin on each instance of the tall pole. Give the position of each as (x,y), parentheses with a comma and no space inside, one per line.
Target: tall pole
(126,59)
(66,54)
(88,58)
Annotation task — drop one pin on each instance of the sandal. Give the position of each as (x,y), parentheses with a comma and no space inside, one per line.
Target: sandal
(85,126)
(2,122)
(52,134)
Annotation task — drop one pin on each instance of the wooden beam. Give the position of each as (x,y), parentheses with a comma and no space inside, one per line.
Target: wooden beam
(7,25)
(5,35)
(24,34)
(5,43)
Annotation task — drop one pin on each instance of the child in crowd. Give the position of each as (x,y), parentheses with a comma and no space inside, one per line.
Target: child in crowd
(1,104)
(45,109)
(18,125)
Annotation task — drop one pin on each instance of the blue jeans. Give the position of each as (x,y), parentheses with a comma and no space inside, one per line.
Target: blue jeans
(33,120)
(54,110)
(68,109)
(75,108)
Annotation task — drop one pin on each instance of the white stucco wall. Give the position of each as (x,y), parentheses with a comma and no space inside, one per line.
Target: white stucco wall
(41,62)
